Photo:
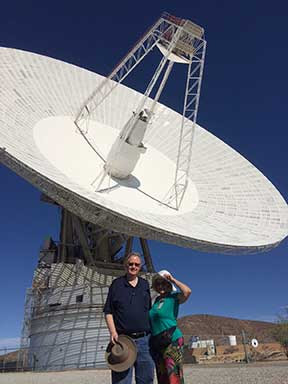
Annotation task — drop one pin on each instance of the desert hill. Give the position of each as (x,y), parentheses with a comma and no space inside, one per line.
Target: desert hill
(215,327)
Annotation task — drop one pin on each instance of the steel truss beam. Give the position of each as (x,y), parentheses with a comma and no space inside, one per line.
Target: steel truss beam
(119,73)
(189,117)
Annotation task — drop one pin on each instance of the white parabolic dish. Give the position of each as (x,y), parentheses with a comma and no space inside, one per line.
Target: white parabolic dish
(229,205)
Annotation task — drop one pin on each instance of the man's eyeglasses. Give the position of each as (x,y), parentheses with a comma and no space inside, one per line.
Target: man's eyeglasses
(134,264)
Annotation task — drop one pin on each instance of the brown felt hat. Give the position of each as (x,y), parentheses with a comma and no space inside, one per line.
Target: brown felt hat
(121,355)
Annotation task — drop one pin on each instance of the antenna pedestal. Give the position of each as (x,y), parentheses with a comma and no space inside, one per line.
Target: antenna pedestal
(64,307)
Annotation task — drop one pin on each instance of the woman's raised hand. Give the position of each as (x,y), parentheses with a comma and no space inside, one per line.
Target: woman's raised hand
(169,277)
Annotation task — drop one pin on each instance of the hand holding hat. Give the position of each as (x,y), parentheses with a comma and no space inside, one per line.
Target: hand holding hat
(122,354)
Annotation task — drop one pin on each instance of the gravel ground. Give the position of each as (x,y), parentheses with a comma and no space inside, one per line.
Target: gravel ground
(268,373)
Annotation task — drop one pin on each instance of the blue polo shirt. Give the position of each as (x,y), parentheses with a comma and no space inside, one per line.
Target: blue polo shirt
(129,305)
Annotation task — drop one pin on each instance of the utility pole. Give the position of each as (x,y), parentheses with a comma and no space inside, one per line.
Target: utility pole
(245,346)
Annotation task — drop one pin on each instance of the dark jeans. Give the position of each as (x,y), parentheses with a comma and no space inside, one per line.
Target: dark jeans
(144,366)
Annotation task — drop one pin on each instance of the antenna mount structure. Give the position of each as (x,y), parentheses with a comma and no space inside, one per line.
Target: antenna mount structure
(179,41)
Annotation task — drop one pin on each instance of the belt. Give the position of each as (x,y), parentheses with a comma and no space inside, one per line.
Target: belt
(137,335)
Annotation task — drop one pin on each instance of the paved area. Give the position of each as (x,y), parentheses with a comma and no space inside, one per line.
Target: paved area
(269,373)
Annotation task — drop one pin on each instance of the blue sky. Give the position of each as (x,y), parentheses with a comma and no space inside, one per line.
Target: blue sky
(243,102)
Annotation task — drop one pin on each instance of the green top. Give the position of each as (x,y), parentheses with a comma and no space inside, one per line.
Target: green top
(163,315)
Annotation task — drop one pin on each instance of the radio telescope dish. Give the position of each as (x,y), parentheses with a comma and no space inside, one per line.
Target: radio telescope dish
(224,203)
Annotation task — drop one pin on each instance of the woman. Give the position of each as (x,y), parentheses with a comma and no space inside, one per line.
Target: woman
(167,340)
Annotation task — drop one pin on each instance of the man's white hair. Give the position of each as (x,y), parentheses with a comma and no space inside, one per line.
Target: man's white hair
(132,254)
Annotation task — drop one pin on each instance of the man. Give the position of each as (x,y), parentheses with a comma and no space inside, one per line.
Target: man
(127,312)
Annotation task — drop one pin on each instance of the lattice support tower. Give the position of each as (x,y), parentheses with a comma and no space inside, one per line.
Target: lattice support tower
(189,118)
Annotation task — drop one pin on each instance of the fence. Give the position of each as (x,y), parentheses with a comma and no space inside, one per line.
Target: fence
(198,349)
(230,348)
(79,354)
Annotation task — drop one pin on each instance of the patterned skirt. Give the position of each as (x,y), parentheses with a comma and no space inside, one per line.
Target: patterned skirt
(169,363)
